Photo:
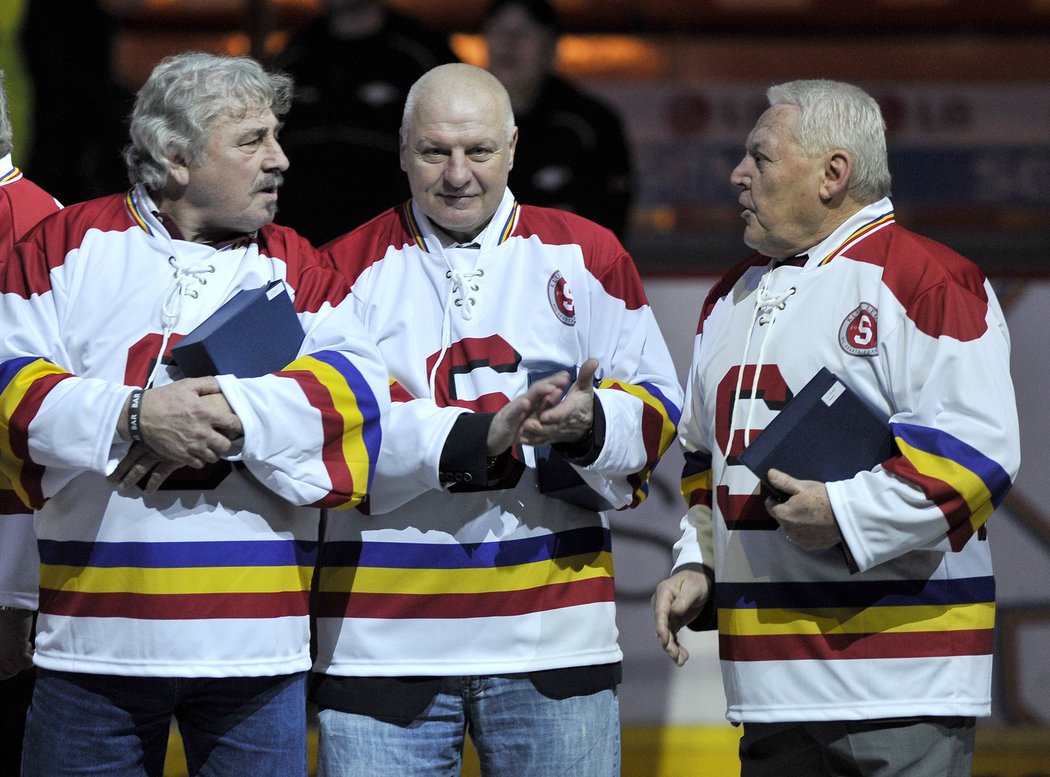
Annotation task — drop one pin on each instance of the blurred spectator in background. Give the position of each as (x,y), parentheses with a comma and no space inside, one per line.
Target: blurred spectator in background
(22,204)
(573,153)
(352,66)
(79,107)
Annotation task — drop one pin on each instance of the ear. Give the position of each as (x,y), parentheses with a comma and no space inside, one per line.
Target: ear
(511,148)
(178,169)
(838,171)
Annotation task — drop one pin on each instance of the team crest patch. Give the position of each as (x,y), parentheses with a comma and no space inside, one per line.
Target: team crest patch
(859,333)
(560,297)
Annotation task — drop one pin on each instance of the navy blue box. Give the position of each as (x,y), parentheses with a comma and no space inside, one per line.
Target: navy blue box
(826,432)
(255,333)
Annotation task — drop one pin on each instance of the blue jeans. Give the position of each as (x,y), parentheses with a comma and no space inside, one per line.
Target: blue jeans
(110,726)
(517,732)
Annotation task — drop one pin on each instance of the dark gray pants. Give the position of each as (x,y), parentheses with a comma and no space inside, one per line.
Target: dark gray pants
(898,747)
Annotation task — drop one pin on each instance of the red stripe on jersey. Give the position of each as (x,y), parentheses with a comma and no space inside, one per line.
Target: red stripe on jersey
(399,393)
(467,605)
(828,647)
(332,424)
(77,604)
(745,511)
(956,510)
(18,425)
(10,504)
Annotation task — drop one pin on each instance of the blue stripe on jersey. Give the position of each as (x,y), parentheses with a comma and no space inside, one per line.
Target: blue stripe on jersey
(872,593)
(939,443)
(482,555)
(261,553)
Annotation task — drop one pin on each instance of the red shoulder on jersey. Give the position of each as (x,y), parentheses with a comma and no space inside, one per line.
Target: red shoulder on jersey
(314,280)
(353,253)
(603,254)
(941,291)
(27,272)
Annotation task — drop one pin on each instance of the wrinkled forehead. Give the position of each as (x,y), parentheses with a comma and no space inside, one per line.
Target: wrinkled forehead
(463,105)
(775,128)
(242,114)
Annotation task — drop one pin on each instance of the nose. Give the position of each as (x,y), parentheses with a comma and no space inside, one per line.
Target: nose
(276,160)
(457,170)
(740,175)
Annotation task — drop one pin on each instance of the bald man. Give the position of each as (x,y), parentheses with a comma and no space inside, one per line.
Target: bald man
(531,391)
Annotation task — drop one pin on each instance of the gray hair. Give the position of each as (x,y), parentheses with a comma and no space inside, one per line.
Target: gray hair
(185,95)
(459,75)
(833,114)
(5,121)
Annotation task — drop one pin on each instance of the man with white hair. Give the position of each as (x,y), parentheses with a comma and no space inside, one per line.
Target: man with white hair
(177,517)
(856,616)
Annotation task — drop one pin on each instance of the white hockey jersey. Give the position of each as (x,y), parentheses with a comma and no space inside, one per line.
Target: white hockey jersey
(512,580)
(209,577)
(22,205)
(917,331)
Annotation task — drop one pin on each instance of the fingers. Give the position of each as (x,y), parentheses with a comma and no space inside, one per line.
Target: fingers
(505,428)
(585,380)
(140,462)
(783,482)
(157,477)
(806,517)
(203,386)
(549,391)
(668,622)
(183,423)
(132,468)
(223,418)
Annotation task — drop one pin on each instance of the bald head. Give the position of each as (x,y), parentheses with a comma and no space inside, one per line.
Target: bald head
(457,146)
(447,88)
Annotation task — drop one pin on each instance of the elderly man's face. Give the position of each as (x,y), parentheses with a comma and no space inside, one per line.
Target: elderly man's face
(780,188)
(234,188)
(457,155)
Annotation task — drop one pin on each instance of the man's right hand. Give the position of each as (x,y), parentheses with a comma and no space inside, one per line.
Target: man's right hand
(505,429)
(677,602)
(186,423)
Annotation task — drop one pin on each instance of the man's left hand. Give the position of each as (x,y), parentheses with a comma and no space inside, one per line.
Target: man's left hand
(139,462)
(569,420)
(805,516)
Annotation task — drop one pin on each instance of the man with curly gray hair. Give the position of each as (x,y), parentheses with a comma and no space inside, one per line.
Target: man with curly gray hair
(177,510)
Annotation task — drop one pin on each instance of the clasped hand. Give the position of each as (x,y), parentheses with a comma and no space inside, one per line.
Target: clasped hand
(540,416)
(188,423)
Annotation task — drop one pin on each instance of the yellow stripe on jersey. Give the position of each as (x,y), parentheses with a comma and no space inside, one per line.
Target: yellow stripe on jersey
(861,620)
(519,577)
